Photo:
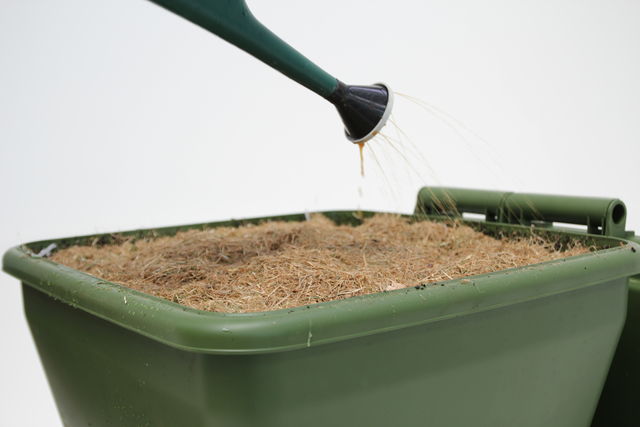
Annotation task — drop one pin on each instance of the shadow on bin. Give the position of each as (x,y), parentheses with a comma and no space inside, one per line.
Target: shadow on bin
(620,401)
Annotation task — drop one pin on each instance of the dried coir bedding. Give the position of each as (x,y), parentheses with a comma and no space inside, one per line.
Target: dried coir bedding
(278,265)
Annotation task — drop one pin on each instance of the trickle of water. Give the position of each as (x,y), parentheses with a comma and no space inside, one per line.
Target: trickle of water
(361,148)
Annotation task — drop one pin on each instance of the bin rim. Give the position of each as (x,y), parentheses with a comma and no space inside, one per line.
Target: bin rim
(322,323)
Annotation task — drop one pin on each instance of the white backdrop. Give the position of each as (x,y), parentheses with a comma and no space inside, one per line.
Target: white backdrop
(118,115)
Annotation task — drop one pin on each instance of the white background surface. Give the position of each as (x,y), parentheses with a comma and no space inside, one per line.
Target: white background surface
(118,115)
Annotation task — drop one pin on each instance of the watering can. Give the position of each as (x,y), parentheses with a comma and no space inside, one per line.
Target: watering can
(364,109)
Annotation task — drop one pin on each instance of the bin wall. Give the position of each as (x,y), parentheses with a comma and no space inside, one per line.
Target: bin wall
(620,401)
(537,363)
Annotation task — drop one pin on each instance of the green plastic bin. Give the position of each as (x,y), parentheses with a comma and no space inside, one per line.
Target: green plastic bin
(620,401)
(522,347)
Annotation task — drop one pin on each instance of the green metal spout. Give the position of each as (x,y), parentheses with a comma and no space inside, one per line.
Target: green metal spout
(364,109)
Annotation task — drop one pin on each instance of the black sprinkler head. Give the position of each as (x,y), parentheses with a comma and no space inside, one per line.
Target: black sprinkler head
(364,109)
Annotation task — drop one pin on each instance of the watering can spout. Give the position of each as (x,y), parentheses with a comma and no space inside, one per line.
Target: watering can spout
(364,109)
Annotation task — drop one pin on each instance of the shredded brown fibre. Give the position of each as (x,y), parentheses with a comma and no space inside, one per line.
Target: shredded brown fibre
(278,265)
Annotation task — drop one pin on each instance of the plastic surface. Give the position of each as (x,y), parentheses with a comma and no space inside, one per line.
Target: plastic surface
(301,327)
(618,404)
(601,215)
(364,109)
(538,363)
(527,347)
(233,21)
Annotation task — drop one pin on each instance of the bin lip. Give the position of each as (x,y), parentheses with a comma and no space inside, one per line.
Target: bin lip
(306,326)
